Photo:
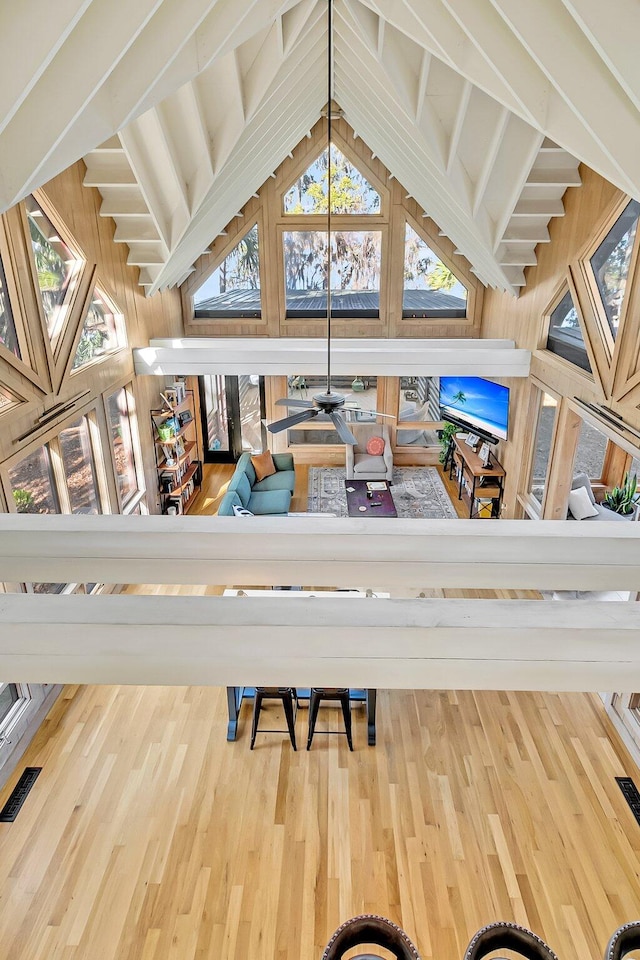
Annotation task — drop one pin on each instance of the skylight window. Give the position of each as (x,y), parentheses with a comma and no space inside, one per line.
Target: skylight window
(351,192)
(610,264)
(430,288)
(233,289)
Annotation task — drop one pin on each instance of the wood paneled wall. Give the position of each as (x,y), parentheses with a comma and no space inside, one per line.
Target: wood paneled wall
(75,210)
(589,212)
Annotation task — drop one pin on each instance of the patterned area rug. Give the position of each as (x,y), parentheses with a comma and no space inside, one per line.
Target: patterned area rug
(418,493)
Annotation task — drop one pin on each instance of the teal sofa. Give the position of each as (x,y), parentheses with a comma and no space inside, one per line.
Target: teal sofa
(269,496)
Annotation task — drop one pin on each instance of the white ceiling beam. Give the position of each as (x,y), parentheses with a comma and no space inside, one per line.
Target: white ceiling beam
(363,642)
(465,554)
(489,160)
(277,357)
(71,81)
(288,109)
(29,48)
(548,34)
(456,132)
(609,36)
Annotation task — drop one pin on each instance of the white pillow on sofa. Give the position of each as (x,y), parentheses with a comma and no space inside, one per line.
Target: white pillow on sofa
(580,505)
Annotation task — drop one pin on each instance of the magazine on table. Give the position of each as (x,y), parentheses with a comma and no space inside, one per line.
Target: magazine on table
(376,485)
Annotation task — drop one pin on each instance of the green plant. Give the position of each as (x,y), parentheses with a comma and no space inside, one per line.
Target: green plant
(23,500)
(447,432)
(623,499)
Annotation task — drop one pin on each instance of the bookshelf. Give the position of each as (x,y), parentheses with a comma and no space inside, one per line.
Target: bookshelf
(178,462)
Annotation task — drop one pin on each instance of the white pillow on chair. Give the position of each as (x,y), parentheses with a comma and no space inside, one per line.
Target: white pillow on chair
(580,505)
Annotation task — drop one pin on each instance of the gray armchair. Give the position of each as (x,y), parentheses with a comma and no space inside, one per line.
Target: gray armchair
(360,464)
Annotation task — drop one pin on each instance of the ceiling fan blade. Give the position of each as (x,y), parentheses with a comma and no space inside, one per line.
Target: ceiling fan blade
(343,431)
(291,421)
(292,402)
(377,413)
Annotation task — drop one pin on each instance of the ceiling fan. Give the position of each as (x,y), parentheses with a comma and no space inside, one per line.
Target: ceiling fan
(330,403)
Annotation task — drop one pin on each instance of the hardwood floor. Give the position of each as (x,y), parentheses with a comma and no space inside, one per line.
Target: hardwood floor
(148,837)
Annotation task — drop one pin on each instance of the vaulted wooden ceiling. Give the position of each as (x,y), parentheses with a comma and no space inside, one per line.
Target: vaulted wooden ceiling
(482,109)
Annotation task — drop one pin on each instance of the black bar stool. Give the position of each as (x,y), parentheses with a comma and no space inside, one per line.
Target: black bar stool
(289,702)
(317,695)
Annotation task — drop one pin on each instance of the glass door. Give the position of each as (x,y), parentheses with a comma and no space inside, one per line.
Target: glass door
(232,414)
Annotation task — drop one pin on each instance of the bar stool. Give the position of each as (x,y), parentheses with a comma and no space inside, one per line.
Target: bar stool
(316,696)
(289,699)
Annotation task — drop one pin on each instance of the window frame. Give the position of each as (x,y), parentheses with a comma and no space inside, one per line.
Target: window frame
(355,225)
(75,293)
(221,255)
(97,287)
(17,709)
(567,286)
(139,494)
(421,315)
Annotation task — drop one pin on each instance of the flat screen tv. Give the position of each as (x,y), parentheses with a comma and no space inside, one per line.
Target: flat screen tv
(482,405)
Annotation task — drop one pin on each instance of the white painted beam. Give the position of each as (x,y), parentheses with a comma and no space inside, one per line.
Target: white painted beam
(500,554)
(281,356)
(435,644)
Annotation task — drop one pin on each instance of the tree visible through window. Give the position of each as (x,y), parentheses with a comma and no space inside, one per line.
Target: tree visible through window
(102,331)
(355,272)
(8,335)
(351,192)
(610,263)
(430,288)
(233,289)
(56,266)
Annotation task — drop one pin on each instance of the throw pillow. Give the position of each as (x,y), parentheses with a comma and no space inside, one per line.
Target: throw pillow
(580,505)
(241,511)
(375,446)
(263,465)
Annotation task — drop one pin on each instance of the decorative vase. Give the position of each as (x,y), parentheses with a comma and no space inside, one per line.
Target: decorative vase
(357,385)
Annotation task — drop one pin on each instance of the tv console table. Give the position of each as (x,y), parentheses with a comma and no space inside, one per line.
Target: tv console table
(476,481)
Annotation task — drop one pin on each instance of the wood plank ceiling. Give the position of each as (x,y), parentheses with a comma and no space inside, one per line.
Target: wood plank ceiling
(185,107)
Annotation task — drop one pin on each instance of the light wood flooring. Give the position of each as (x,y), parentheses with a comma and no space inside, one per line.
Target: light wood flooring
(148,837)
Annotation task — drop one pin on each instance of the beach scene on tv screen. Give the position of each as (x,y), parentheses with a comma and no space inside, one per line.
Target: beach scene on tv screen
(480,403)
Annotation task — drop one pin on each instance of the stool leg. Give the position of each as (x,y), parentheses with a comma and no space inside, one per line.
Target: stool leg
(287,703)
(346,713)
(314,703)
(257,705)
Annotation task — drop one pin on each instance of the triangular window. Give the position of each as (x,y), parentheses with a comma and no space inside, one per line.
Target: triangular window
(565,334)
(430,288)
(8,335)
(57,267)
(8,400)
(233,289)
(102,331)
(351,192)
(610,264)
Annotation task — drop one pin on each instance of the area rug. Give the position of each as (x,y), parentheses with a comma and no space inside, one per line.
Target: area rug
(418,493)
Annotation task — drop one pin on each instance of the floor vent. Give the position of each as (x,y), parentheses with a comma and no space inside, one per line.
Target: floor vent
(20,793)
(631,795)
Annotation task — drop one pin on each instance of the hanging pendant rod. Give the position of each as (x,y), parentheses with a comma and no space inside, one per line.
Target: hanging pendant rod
(329,98)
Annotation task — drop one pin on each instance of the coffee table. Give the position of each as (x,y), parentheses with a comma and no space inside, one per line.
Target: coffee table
(380,505)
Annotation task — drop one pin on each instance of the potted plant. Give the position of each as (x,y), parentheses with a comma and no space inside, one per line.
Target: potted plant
(623,499)
(445,435)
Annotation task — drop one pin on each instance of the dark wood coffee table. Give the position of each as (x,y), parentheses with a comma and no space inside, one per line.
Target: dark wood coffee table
(380,505)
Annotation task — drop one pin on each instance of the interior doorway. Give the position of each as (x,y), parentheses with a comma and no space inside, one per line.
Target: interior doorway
(233,411)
